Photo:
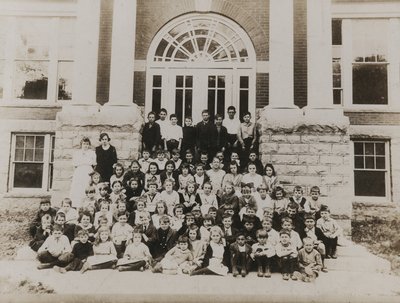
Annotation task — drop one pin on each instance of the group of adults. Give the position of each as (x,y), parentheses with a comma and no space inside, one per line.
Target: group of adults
(211,135)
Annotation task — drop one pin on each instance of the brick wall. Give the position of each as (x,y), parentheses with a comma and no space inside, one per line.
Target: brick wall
(262,90)
(104,61)
(252,15)
(300,52)
(139,88)
(373,118)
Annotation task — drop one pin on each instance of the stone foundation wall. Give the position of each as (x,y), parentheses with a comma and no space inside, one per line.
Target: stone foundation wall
(307,154)
(72,125)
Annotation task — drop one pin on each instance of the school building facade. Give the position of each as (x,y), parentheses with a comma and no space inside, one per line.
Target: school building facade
(321,78)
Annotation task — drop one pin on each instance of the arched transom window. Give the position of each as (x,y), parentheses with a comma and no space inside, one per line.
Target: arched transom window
(201,39)
(201,61)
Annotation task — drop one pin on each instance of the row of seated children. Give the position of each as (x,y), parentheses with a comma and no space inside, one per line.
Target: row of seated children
(108,245)
(218,172)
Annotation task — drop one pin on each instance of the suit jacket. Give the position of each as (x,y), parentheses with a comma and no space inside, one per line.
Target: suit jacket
(318,233)
(234,249)
(151,233)
(160,248)
(231,238)
(219,139)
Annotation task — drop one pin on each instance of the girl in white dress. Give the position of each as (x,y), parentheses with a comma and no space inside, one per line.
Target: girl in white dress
(83,160)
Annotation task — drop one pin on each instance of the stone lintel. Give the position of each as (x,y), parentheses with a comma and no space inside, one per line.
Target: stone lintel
(97,115)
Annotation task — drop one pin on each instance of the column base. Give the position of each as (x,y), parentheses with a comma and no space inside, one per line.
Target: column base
(122,123)
(309,148)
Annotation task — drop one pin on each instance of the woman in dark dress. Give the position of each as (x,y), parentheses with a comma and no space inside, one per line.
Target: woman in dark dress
(106,156)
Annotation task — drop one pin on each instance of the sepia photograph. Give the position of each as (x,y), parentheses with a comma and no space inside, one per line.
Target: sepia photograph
(200,151)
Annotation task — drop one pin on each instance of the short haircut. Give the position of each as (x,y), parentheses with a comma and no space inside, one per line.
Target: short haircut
(66,201)
(122,213)
(57,227)
(286,219)
(102,135)
(164,219)
(308,239)
(212,208)
(204,111)
(298,188)
(151,113)
(309,217)
(208,217)
(172,116)
(261,233)
(217,116)
(284,232)
(315,189)
(45,202)
(231,107)
(224,216)
(163,110)
(83,232)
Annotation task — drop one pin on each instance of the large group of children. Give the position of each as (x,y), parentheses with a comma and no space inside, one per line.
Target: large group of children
(181,216)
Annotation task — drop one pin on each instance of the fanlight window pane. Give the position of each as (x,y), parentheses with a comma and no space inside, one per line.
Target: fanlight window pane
(201,39)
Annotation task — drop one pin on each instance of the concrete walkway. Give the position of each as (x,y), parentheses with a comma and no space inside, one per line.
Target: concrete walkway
(354,284)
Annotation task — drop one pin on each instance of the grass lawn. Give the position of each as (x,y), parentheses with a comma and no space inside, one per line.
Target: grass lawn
(378,229)
(14,224)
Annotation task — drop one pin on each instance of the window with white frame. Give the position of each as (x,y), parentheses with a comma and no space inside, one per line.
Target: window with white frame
(371,168)
(370,61)
(32,159)
(337,61)
(38,54)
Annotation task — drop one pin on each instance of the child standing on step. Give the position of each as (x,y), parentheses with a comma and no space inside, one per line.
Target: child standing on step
(331,230)
(287,254)
(262,252)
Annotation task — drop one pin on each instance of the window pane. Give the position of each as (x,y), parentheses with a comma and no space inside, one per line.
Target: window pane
(189,81)
(28,155)
(161,47)
(30,141)
(65,74)
(156,100)
(19,155)
(336,32)
(2,62)
(337,96)
(380,148)
(244,82)
(156,81)
(370,84)
(244,102)
(33,38)
(188,103)
(179,104)
(380,163)
(39,143)
(211,103)
(358,148)
(20,142)
(370,183)
(53,142)
(28,175)
(31,80)
(370,39)
(3,36)
(50,176)
(359,162)
(179,81)
(221,81)
(370,162)
(66,38)
(221,102)
(211,81)
(369,148)
(39,155)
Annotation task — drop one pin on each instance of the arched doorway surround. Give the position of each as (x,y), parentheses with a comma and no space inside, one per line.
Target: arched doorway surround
(199,61)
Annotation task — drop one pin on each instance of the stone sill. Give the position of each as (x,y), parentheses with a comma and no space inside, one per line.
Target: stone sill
(32,103)
(387,204)
(27,194)
(376,110)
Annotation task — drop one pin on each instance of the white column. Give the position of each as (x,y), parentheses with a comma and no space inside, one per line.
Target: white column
(281,91)
(122,52)
(394,63)
(319,54)
(86,52)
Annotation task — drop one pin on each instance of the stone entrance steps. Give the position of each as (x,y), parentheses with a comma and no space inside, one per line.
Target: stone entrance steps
(356,258)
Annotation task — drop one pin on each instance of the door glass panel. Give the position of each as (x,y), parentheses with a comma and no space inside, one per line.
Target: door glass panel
(221,102)
(178,104)
(183,97)
(211,103)
(221,81)
(188,104)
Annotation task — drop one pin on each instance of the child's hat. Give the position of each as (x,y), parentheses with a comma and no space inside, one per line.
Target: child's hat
(196,208)
(324,208)
(309,216)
